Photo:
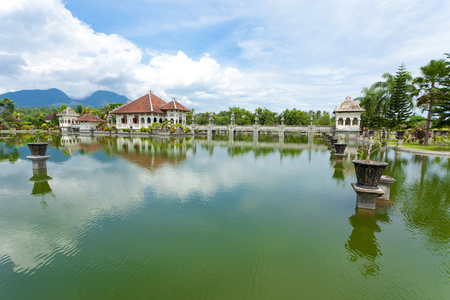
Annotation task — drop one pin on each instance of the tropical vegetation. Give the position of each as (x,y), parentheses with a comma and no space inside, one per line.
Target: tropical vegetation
(390,104)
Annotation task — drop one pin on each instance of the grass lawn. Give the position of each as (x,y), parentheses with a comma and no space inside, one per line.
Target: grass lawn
(417,146)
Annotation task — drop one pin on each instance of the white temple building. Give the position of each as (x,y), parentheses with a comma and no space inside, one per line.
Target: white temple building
(68,120)
(88,122)
(148,109)
(348,117)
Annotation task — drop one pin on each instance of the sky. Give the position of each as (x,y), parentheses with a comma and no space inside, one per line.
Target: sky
(213,55)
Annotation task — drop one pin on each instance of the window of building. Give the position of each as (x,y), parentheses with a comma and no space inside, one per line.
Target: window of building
(341,121)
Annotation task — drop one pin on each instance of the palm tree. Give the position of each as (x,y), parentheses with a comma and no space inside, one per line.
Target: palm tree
(103,111)
(372,101)
(429,85)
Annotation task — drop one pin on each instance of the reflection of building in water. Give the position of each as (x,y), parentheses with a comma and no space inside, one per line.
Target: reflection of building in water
(151,153)
(362,244)
(74,143)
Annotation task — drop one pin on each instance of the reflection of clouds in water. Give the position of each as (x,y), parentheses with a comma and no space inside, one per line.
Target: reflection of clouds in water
(205,176)
(87,190)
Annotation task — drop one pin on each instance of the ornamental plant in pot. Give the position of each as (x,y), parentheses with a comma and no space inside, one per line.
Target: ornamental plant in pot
(340,146)
(368,172)
(334,140)
(38,148)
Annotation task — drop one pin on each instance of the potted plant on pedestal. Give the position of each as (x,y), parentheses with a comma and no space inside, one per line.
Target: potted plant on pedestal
(38,148)
(368,172)
(340,146)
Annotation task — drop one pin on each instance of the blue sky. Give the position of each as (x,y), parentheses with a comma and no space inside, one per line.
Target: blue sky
(211,55)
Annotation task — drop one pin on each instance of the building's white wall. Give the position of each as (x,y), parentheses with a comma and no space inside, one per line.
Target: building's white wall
(86,126)
(171,114)
(348,115)
(68,122)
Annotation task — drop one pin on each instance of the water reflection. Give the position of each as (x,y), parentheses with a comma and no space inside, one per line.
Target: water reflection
(362,245)
(157,192)
(41,187)
(8,152)
(338,173)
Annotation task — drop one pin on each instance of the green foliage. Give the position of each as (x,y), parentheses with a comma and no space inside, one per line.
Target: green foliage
(203,118)
(433,86)
(7,107)
(155,125)
(325,120)
(400,105)
(265,116)
(441,108)
(243,116)
(296,117)
(62,107)
(189,117)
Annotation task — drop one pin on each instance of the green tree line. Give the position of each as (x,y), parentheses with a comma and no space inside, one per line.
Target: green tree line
(390,103)
(265,117)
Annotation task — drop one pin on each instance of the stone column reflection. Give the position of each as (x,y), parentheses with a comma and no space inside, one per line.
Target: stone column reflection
(362,245)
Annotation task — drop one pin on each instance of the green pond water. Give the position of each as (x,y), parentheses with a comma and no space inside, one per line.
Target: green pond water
(121,218)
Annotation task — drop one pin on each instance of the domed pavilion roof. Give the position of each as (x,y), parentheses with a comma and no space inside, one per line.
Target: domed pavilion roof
(349,105)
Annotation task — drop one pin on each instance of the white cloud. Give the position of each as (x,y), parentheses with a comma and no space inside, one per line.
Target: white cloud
(284,54)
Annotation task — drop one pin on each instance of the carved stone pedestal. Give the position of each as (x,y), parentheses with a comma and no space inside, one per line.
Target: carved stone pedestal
(366,198)
(385,184)
(339,157)
(39,162)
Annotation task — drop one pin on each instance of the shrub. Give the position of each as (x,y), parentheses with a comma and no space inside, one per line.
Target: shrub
(143,129)
(44,126)
(419,135)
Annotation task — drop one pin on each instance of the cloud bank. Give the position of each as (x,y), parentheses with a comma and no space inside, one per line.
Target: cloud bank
(211,56)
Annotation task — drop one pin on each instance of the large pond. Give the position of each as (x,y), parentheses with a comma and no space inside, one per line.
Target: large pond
(121,218)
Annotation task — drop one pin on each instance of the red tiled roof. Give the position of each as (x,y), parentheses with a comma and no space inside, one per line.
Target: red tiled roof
(89,118)
(50,117)
(174,105)
(141,105)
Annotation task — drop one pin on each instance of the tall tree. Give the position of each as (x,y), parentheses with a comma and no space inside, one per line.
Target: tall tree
(400,107)
(430,86)
(371,101)
(7,107)
(266,117)
(442,107)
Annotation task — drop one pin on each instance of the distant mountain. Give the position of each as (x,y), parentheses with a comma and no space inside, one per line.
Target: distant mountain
(55,97)
(100,98)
